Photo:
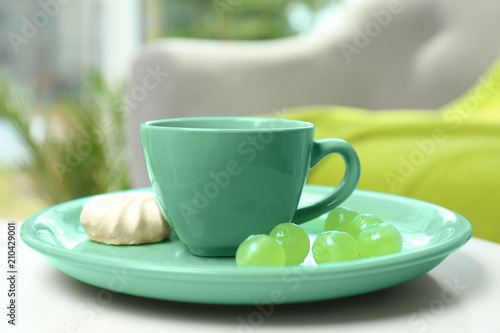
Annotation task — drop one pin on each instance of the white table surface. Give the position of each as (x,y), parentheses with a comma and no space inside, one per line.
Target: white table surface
(460,295)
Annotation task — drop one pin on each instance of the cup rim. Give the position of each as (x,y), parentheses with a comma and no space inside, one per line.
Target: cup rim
(288,124)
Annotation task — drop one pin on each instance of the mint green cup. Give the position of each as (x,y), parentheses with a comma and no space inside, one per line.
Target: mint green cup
(220,179)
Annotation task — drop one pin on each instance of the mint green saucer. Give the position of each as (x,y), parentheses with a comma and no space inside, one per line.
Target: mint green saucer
(168,271)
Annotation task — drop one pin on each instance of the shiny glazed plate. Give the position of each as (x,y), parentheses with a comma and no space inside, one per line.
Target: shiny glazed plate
(168,271)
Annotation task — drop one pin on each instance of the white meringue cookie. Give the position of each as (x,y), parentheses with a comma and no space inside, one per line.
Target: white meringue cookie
(124,219)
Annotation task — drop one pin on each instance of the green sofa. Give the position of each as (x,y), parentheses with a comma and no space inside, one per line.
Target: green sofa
(450,156)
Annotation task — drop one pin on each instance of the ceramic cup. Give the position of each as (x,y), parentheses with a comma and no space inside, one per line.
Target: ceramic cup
(220,179)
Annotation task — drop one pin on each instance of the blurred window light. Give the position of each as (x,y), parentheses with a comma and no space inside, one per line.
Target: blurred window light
(300,16)
(235,19)
(13,153)
(50,45)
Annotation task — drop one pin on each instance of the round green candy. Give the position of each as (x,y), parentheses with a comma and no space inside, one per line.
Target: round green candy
(360,222)
(379,239)
(334,246)
(294,240)
(339,218)
(260,250)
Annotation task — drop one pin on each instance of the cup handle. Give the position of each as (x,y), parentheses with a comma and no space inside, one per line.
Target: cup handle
(320,149)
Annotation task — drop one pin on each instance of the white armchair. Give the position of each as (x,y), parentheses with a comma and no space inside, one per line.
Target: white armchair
(382,54)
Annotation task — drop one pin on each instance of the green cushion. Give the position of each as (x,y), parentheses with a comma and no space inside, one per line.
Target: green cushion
(450,156)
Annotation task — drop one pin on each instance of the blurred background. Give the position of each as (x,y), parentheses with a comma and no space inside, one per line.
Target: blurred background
(63,70)
(71,69)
